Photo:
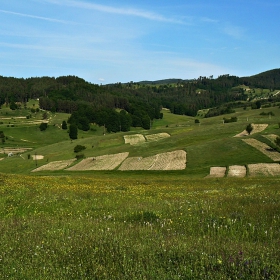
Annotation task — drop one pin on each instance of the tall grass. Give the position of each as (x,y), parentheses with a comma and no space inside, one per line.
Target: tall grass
(139,228)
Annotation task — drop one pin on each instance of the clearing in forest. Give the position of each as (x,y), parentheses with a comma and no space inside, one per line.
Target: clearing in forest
(175,160)
(262,147)
(105,162)
(55,165)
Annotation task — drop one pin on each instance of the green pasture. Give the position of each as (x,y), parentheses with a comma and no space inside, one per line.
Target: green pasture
(208,143)
(138,224)
(138,227)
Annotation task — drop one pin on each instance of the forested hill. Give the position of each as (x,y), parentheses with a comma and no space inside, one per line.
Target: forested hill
(142,101)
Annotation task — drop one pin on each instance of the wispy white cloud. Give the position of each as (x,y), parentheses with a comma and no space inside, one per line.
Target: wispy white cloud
(114,10)
(234,31)
(37,17)
(209,20)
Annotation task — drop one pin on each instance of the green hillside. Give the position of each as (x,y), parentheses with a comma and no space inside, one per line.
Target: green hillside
(209,143)
(189,197)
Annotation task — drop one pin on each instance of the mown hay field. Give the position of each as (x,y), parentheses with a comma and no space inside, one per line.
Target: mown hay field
(136,227)
(264,148)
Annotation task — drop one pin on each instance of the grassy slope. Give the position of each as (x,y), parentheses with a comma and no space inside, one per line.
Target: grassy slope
(140,225)
(210,143)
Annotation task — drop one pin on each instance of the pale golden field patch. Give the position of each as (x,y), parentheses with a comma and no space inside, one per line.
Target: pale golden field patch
(37,157)
(105,162)
(217,172)
(157,136)
(8,150)
(256,128)
(134,139)
(264,169)
(137,139)
(271,137)
(55,165)
(262,147)
(175,160)
(237,171)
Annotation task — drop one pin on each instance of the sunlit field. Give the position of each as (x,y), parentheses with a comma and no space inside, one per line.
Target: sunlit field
(137,227)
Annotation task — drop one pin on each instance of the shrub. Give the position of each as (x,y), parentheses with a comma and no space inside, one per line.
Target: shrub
(43,126)
(64,125)
(79,148)
(73,131)
(232,119)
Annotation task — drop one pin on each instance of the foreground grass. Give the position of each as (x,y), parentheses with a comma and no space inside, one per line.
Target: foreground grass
(139,228)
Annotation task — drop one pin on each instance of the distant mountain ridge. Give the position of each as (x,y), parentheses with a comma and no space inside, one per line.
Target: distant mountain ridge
(273,74)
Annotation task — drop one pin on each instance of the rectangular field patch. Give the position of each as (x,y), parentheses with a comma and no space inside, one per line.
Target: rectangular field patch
(105,162)
(264,169)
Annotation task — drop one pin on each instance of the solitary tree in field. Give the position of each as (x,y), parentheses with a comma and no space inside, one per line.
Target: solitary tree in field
(249,128)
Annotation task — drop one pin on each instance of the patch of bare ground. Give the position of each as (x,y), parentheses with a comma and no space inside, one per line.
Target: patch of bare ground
(134,139)
(105,162)
(237,171)
(157,136)
(8,150)
(55,165)
(217,172)
(256,128)
(264,169)
(262,147)
(175,160)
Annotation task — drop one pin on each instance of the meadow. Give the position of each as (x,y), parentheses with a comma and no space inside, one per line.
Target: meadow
(138,224)
(135,227)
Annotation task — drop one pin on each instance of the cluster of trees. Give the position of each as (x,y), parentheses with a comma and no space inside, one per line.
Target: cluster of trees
(113,121)
(138,103)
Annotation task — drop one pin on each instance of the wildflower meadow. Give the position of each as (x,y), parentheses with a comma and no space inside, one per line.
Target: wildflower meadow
(139,227)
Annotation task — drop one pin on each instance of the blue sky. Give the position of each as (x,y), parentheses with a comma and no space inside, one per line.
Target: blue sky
(120,41)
